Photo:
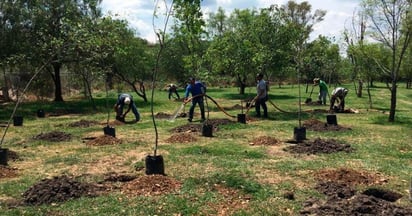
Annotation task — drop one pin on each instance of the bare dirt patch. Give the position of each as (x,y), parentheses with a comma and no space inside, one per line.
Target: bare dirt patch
(54,136)
(83,123)
(264,140)
(316,125)
(181,138)
(7,172)
(162,115)
(151,185)
(103,140)
(232,201)
(350,177)
(319,146)
(196,128)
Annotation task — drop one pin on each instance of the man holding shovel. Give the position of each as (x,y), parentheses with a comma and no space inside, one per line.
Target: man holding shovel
(323,90)
(122,100)
(198,90)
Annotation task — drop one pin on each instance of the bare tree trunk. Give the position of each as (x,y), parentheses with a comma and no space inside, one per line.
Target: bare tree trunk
(393,102)
(359,92)
(368,89)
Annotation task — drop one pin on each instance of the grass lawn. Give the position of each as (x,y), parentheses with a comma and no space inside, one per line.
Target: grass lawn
(227,174)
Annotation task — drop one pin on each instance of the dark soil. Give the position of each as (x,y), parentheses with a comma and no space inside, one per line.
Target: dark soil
(103,140)
(316,125)
(13,156)
(7,172)
(197,128)
(342,199)
(83,123)
(181,138)
(265,140)
(54,136)
(58,189)
(319,146)
(162,115)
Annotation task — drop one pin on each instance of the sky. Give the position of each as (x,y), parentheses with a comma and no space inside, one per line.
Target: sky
(139,13)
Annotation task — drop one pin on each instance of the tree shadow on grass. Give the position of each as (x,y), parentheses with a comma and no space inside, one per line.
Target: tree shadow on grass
(399,120)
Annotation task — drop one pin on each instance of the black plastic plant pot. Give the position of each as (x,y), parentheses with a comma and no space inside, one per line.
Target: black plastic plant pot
(109,131)
(18,120)
(155,165)
(299,134)
(241,118)
(331,119)
(207,130)
(3,156)
(40,113)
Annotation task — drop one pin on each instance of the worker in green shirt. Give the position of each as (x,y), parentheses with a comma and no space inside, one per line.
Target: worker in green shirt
(323,90)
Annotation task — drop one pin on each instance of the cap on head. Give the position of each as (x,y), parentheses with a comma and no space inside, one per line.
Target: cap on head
(127,100)
(316,80)
(259,75)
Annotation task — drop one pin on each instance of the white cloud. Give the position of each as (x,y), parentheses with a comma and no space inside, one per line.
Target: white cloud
(139,13)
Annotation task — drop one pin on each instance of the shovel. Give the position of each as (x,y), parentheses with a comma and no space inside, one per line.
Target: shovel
(309,99)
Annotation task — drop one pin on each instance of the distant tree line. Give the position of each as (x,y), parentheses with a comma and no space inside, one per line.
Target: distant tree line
(84,50)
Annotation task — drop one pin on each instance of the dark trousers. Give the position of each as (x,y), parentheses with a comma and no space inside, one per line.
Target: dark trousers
(175,92)
(198,100)
(341,103)
(261,102)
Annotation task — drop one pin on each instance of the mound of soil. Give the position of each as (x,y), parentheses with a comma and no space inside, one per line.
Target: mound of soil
(115,177)
(83,123)
(7,172)
(316,125)
(319,146)
(349,177)
(54,136)
(104,140)
(162,115)
(57,189)
(151,185)
(195,128)
(335,189)
(264,140)
(343,199)
(181,138)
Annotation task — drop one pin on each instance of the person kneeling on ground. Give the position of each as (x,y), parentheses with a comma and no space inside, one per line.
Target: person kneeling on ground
(122,100)
(338,95)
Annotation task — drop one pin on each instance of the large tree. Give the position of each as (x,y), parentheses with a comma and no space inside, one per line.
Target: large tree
(390,25)
(52,25)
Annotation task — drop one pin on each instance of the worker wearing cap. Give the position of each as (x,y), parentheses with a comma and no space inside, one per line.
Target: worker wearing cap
(198,90)
(323,90)
(261,97)
(338,94)
(122,100)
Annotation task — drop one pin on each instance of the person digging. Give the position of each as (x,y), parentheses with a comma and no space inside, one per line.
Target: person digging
(323,90)
(338,95)
(122,100)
